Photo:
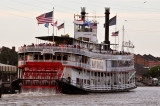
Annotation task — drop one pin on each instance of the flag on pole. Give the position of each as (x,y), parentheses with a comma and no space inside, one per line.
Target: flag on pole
(60,26)
(93,25)
(45,18)
(115,33)
(112,21)
(79,22)
(55,24)
(88,24)
(46,25)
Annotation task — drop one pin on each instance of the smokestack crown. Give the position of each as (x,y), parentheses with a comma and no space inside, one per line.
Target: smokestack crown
(83,9)
(107,9)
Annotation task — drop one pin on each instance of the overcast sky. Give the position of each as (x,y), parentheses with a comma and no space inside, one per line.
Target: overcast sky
(18,24)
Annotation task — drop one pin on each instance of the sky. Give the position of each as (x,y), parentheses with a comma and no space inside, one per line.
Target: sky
(141,20)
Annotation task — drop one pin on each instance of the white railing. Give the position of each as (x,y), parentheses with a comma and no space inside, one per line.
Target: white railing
(78,64)
(101,87)
(112,69)
(105,87)
(86,52)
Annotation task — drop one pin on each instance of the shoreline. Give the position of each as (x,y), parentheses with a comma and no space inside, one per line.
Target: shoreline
(142,84)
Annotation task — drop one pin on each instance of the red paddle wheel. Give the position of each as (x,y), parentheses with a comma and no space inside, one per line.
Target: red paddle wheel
(41,75)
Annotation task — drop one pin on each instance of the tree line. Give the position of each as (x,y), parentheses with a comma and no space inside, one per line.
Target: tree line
(154,72)
(8,56)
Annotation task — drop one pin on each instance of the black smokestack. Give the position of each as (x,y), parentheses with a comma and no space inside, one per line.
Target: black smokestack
(83,13)
(107,47)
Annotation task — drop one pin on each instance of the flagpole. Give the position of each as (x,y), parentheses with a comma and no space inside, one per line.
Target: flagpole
(48,30)
(74,25)
(115,30)
(64,28)
(56,27)
(53,23)
(123,39)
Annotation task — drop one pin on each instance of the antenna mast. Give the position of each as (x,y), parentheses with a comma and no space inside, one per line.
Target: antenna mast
(53,23)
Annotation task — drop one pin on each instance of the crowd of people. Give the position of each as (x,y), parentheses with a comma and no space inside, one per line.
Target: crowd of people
(91,49)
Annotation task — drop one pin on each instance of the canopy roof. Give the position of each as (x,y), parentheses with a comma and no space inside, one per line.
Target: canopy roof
(60,39)
(66,39)
(50,38)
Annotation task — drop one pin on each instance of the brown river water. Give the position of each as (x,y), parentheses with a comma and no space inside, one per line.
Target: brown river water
(141,96)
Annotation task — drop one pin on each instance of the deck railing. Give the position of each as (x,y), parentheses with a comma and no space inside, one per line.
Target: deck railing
(81,65)
(101,87)
(90,53)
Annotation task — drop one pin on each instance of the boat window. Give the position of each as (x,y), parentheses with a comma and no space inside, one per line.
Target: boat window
(77,81)
(85,81)
(54,57)
(58,56)
(28,83)
(41,57)
(21,57)
(88,82)
(36,57)
(65,57)
(53,83)
(47,56)
(122,63)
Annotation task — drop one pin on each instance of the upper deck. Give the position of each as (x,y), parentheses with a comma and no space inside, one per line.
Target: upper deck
(97,54)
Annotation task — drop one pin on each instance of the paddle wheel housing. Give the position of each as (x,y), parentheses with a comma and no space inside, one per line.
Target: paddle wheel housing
(41,74)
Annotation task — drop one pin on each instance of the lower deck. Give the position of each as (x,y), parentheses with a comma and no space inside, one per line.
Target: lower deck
(68,88)
(45,74)
(92,80)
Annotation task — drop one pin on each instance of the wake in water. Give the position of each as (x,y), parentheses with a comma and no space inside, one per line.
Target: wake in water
(38,91)
(29,97)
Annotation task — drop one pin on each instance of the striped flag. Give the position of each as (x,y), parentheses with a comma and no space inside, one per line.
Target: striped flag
(115,33)
(60,26)
(93,25)
(45,18)
(79,22)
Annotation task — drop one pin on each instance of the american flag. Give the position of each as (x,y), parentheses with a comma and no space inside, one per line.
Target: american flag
(60,26)
(45,18)
(93,25)
(115,33)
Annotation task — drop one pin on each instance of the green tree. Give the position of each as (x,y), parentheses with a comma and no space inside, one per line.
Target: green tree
(8,56)
(154,72)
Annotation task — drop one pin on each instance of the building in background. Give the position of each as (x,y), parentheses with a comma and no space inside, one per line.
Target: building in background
(8,74)
(144,62)
(147,61)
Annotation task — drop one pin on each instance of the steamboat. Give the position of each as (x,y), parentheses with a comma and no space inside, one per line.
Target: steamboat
(78,65)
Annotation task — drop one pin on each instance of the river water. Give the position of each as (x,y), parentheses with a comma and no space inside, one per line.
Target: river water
(141,96)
